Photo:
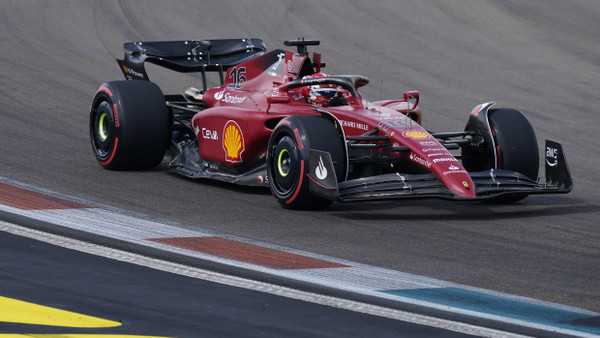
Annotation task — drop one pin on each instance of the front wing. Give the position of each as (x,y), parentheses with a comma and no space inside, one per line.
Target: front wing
(489,184)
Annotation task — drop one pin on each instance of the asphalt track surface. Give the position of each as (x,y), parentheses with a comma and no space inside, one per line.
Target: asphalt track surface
(144,301)
(538,56)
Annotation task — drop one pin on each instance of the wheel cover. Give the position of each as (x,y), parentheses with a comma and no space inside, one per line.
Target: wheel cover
(285,166)
(283,162)
(103,129)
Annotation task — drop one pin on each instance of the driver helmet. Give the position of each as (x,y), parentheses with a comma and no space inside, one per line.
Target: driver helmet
(319,94)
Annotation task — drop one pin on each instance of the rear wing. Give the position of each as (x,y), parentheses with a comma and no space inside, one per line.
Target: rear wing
(188,56)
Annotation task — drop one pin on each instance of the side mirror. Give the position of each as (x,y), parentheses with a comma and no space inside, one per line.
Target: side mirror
(410,96)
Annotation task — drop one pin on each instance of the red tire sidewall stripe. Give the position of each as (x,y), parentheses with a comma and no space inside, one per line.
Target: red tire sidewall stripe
(112,154)
(299,183)
(104,89)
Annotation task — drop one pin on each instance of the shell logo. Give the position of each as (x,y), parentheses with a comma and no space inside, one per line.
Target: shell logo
(233,142)
(415,134)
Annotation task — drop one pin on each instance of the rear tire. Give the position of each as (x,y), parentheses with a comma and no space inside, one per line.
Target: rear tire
(129,125)
(288,159)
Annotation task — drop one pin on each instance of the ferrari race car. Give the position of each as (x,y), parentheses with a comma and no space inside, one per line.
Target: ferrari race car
(277,120)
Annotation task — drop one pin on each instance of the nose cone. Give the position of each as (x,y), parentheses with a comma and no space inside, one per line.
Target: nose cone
(458,180)
(427,152)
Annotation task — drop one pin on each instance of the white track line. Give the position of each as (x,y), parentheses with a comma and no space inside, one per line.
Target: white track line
(198,273)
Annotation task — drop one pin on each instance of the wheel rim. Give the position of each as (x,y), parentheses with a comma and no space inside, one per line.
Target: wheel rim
(285,168)
(103,129)
(283,162)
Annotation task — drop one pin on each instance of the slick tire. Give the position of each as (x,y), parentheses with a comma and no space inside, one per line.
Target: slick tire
(129,125)
(516,145)
(288,159)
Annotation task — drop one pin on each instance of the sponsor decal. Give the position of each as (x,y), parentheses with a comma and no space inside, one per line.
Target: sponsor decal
(234,99)
(426,150)
(415,134)
(356,125)
(428,143)
(133,72)
(320,170)
(277,67)
(209,134)
(223,96)
(298,139)
(233,142)
(465,184)
(551,156)
(419,160)
(116,115)
(297,97)
(452,169)
(436,154)
(391,123)
(219,95)
(260,179)
(443,159)
(476,110)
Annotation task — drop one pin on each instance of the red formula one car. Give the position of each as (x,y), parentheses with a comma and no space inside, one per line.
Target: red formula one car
(276,120)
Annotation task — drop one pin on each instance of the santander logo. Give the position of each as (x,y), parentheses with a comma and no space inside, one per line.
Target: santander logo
(219,95)
(419,160)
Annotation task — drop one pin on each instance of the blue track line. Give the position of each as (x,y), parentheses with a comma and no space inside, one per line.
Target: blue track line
(510,308)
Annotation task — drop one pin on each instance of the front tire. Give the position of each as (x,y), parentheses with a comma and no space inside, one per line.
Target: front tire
(516,143)
(129,125)
(288,159)
(516,148)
